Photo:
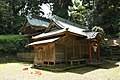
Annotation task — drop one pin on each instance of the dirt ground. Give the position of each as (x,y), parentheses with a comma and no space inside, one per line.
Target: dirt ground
(22,71)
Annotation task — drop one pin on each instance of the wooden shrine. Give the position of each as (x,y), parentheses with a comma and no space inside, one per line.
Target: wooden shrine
(65,41)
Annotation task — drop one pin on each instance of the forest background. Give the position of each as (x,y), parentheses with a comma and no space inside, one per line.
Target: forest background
(101,15)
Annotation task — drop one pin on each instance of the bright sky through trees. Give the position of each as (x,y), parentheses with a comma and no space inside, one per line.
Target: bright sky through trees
(46,10)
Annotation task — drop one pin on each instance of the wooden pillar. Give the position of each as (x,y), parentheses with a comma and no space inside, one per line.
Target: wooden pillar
(66,44)
(98,51)
(73,47)
(90,56)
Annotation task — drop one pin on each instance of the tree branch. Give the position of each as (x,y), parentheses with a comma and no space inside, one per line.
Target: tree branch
(19,8)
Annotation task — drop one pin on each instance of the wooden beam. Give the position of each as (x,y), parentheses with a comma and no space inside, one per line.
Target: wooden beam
(51,36)
(80,53)
(66,37)
(98,53)
(73,46)
(75,34)
(90,56)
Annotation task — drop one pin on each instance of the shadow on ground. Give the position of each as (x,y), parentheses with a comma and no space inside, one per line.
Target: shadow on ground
(82,68)
(88,68)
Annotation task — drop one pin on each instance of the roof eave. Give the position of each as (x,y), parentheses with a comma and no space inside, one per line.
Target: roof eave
(50,36)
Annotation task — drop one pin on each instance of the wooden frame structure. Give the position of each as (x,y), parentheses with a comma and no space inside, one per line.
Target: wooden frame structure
(64,42)
(114,45)
(64,48)
(34,25)
(94,47)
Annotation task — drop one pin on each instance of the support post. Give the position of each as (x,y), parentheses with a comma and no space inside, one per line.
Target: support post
(98,53)
(90,57)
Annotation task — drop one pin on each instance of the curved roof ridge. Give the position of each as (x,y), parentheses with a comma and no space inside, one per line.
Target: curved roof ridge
(55,18)
(37,21)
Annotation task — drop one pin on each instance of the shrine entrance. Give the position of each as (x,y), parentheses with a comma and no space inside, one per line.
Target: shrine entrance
(94,48)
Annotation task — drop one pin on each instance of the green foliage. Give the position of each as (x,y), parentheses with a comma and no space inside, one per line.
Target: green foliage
(118,35)
(60,7)
(4,17)
(9,21)
(106,14)
(11,44)
(105,50)
(102,13)
(78,13)
(13,12)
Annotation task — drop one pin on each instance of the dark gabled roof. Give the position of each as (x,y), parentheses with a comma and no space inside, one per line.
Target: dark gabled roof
(37,21)
(67,23)
(69,26)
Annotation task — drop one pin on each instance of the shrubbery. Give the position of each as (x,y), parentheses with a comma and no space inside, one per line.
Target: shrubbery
(105,50)
(11,44)
(118,35)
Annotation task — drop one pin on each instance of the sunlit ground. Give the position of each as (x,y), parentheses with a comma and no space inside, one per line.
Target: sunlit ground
(14,71)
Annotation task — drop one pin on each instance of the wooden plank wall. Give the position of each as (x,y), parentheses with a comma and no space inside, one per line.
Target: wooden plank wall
(68,47)
(49,52)
(44,53)
(76,47)
(59,51)
(36,60)
(84,48)
(71,47)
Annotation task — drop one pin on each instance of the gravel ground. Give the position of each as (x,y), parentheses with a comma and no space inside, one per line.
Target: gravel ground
(14,71)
